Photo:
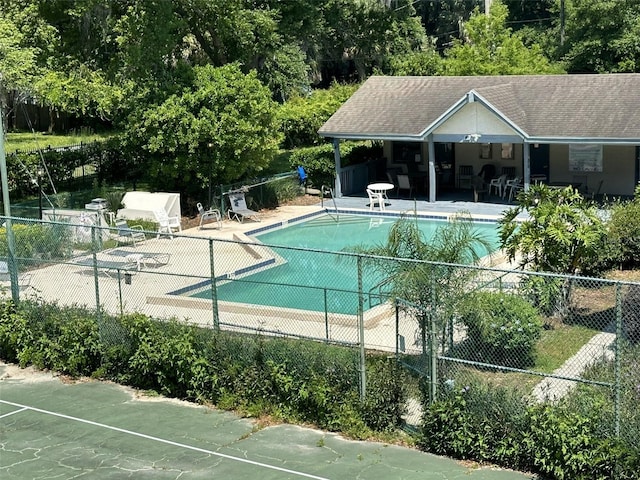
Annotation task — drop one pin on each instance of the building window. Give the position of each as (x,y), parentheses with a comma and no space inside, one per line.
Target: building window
(485,150)
(506,150)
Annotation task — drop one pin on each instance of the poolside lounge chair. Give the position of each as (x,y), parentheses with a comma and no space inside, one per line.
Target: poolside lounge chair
(210,214)
(110,268)
(166,224)
(125,233)
(238,208)
(138,257)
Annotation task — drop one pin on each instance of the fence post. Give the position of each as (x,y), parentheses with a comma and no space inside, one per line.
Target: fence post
(432,342)
(363,375)
(214,290)
(326,316)
(6,203)
(94,251)
(618,353)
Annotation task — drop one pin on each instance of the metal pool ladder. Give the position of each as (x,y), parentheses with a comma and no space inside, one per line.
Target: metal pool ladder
(329,190)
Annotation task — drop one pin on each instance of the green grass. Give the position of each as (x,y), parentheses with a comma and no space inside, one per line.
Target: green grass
(558,345)
(33,141)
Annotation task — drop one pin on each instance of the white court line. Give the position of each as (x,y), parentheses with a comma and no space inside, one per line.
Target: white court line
(15,411)
(161,440)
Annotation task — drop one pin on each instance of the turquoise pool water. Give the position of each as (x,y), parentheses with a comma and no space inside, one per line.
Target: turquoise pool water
(320,281)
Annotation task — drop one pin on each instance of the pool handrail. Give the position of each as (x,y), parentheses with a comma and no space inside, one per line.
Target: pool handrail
(323,190)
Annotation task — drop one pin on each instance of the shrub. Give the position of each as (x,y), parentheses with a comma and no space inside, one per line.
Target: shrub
(501,328)
(473,421)
(301,118)
(50,241)
(623,237)
(386,397)
(631,314)
(319,162)
(494,424)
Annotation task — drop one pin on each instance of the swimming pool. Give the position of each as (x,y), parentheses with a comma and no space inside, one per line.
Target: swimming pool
(320,281)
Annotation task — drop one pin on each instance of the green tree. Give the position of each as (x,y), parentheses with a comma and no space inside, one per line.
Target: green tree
(490,48)
(602,36)
(222,126)
(17,67)
(561,234)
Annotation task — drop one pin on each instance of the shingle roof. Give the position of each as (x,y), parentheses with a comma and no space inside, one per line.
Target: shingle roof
(543,106)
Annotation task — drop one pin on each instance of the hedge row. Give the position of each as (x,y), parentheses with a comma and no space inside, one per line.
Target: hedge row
(497,425)
(294,380)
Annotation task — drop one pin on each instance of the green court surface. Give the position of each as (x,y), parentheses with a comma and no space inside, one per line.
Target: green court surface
(96,430)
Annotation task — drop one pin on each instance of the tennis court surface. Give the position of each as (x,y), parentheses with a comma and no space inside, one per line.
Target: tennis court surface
(97,430)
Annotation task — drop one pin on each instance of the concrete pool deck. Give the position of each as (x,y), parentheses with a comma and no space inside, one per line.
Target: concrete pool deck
(147,291)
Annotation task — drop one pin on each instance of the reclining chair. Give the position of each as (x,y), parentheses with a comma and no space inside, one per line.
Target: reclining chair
(238,208)
(210,214)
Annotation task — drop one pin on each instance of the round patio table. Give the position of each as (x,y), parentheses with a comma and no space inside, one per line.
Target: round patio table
(381,187)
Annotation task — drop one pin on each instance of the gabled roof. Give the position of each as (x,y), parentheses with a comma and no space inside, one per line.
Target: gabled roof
(591,107)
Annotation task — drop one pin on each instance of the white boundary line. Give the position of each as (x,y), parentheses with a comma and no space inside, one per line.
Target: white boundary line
(160,440)
(15,411)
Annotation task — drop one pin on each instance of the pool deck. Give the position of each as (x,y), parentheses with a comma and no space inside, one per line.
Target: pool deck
(147,290)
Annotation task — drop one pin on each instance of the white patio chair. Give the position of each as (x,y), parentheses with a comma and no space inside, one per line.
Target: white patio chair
(512,186)
(498,184)
(375,198)
(166,224)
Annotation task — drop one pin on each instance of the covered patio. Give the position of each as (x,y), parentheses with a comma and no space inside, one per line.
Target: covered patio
(445,133)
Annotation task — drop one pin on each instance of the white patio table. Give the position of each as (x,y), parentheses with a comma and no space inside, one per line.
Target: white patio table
(381,187)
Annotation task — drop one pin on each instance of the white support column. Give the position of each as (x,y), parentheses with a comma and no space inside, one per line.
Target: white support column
(432,169)
(337,191)
(526,165)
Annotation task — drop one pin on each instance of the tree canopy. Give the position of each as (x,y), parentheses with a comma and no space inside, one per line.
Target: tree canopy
(222,125)
(489,47)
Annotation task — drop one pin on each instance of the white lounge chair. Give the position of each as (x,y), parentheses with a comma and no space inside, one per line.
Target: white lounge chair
(210,214)
(166,224)
(238,208)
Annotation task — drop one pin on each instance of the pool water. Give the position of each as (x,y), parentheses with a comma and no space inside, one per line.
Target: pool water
(321,281)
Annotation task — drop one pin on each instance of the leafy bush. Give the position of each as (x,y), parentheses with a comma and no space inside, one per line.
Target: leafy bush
(64,339)
(290,379)
(386,397)
(546,293)
(501,328)
(46,241)
(302,117)
(623,237)
(631,314)
(497,425)
(319,162)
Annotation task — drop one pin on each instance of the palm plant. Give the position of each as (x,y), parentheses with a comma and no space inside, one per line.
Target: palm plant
(426,277)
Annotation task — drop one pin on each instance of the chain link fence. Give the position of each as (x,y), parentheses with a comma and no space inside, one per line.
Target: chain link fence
(550,338)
